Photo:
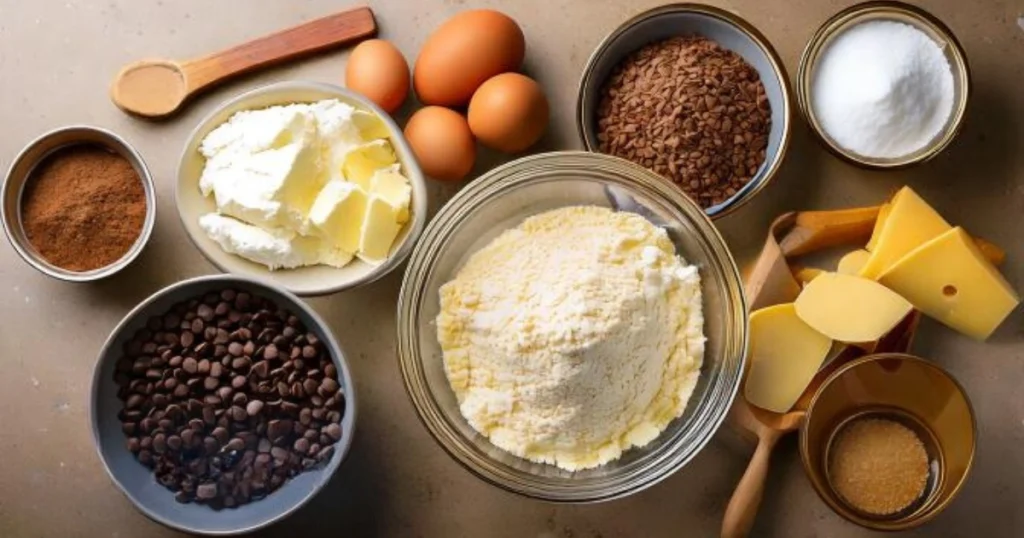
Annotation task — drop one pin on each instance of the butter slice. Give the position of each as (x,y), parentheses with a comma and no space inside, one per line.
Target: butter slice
(849,308)
(380,228)
(337,215)
(908,224)
(361,163)
(785,353)
(949,279)
(394,188)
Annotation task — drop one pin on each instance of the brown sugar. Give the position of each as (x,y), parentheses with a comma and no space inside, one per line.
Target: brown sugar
(879,466)
(83,208)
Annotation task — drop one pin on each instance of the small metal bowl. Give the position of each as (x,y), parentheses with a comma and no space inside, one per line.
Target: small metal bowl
(897,12)
(725,28)
(138,483)
(906,389)
(21,171)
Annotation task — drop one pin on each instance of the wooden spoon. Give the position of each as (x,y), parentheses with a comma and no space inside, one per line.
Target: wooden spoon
(769,428)
(158,88)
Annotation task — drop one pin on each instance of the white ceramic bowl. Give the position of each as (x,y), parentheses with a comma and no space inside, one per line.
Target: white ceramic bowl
(306,281)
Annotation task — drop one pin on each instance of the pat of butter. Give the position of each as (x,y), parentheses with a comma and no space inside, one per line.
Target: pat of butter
(849,308)
(394,188)
(380,228)
(370,126)
(785,353)
(337,214)
(950,279)
(908,224)
(362,162)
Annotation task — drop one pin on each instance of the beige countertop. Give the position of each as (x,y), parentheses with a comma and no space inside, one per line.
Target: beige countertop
(56,60)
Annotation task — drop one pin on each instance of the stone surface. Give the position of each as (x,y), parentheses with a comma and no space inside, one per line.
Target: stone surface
(57,58)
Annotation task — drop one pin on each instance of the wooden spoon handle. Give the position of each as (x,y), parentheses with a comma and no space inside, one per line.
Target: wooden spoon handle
(742,509)
(313,36)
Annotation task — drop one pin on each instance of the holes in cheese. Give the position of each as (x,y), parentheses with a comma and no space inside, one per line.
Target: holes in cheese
(908,224)
(852,262)
(785,353)
(950,279)
(849,308)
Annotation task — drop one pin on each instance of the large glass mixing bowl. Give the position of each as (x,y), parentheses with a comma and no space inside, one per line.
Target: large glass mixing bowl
(501,199)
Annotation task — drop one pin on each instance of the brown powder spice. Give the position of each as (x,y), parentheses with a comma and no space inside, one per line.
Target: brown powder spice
(879,466)
(690,110)
(83,207)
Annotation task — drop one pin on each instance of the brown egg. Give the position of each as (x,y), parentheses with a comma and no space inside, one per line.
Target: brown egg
(378,70)
(442,142)
(462,53)
(508,113)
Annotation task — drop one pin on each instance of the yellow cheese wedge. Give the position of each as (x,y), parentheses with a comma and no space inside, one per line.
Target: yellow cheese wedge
(852,262)
(949,279)
(785,353)
(380,228)
(337,214)
(361,163)
(394,188)
(849,308)
(909,224)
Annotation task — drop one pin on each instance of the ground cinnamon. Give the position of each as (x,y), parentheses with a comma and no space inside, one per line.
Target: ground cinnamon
(83,207)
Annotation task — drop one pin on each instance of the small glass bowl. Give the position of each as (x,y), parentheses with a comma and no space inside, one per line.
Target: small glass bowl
(897,12)
(906,389)
(501,199)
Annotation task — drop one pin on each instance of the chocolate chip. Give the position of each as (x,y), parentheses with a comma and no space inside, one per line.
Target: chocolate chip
(254,408)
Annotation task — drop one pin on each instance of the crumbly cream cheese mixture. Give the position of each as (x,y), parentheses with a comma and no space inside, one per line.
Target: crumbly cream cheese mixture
(574,336)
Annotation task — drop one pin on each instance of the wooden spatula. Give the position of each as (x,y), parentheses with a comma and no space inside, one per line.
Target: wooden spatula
(158,88)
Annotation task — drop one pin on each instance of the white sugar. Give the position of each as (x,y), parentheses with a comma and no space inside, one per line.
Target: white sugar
(882,89)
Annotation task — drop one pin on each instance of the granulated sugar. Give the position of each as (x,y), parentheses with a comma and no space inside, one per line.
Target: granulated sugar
(573,337)
(882,89)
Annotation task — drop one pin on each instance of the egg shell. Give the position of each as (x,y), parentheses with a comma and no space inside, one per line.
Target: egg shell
(509,112)
(377,69)
(442,142)
(463,52)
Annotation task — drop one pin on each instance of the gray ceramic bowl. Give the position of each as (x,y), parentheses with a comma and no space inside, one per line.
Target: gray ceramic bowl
(138,483)
(23,167)
(725,28)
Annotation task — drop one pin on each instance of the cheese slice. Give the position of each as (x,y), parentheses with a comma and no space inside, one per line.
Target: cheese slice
(853,262)
(849,308)
(909,224)
(807,274)
(337,215)
(785,353)
(883,214)
(362,162)
(379,230)
(949,279)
